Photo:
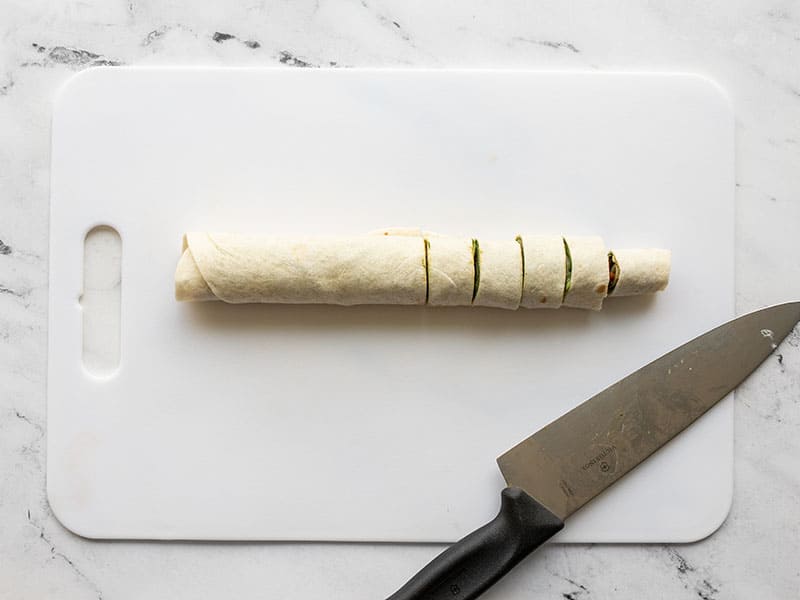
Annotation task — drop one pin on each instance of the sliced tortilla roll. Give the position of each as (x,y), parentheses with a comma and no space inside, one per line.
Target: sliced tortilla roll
(545,270)
(587,279)
(451,271)
(498,277)
(302,270)
(451,265)
(640,271)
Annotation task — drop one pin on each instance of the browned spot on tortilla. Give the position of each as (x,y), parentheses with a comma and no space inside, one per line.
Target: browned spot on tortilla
(543,299)
(600,289)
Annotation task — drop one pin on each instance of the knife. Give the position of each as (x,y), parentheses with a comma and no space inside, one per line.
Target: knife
(561,467)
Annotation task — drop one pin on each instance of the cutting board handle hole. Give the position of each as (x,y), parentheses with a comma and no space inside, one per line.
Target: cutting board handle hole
(100,301)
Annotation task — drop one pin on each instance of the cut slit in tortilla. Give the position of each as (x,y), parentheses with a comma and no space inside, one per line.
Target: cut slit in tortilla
(613,273)
(476,264)
(567,269)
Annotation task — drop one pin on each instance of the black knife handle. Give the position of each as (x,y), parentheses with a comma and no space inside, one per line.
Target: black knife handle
(473,564)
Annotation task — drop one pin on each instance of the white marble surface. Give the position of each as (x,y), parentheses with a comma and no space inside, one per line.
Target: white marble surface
(751,48)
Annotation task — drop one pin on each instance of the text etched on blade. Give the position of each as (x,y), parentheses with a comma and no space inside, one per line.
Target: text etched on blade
(598,458)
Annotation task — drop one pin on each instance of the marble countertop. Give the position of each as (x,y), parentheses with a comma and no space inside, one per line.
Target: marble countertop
(750,48)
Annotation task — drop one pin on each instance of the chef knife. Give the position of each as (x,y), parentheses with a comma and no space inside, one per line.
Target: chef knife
(561,467)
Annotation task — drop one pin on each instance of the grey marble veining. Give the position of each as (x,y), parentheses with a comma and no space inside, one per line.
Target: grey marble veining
(749,47)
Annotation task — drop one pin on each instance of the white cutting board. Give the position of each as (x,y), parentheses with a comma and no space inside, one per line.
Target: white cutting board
(373,423)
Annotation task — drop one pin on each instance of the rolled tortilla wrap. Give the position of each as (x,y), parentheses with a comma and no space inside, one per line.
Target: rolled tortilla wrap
(641,271)
(303,270)
(498,274)
(588,279)
(451,271)
(545,270)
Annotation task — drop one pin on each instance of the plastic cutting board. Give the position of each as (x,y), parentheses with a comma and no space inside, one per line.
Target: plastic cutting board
(373,423)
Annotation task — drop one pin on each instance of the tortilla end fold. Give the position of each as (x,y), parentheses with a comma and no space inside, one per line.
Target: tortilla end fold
(190,286)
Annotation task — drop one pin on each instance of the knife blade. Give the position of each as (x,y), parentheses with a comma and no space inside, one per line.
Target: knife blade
(566,464)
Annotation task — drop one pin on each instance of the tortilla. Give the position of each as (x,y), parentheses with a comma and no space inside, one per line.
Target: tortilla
(403,231)
(641,271)
(544,270)
(498,280)
(587,281)
(451,271)
(302,270)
